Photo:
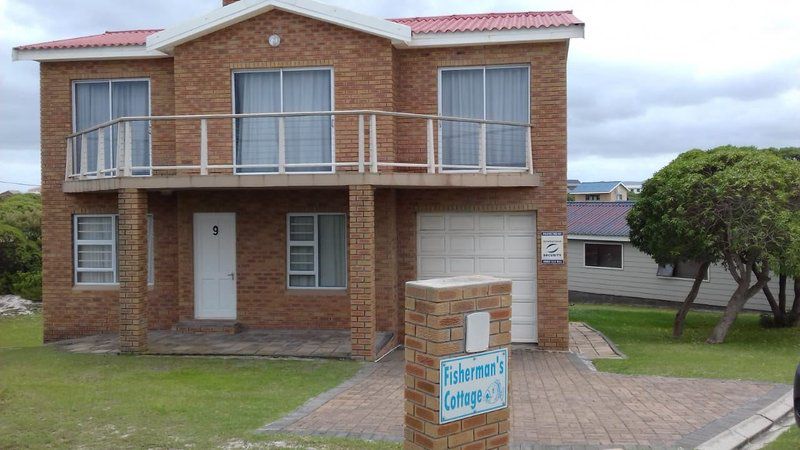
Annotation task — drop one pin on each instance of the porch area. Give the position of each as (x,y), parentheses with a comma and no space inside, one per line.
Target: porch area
(257,342)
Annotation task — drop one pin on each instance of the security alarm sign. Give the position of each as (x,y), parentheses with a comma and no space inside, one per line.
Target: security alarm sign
(552,247)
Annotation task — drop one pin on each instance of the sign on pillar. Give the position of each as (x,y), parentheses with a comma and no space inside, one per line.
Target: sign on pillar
(457,363)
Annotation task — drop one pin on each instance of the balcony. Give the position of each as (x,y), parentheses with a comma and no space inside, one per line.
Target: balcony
(299,149)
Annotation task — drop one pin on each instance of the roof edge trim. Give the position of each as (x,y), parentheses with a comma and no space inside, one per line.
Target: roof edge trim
(86,53)
(494,37)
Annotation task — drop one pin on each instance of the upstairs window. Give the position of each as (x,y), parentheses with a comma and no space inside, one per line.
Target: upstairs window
(308,139)
(607,256)
(100,101)
(593,198)
(683,269)
(491,93)
(317,251)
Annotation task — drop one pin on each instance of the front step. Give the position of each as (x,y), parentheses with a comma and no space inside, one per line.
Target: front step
(208,327)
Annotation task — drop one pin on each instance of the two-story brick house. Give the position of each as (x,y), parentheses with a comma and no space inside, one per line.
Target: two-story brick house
(290,164)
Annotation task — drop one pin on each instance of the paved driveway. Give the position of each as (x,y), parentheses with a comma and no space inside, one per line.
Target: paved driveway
(557,399)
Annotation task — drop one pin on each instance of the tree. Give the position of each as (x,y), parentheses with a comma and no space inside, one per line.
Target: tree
(737,206)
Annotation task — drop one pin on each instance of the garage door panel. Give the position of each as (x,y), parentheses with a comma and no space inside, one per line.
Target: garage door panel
(497,244)
(432,244)
(461,222)
(461,244)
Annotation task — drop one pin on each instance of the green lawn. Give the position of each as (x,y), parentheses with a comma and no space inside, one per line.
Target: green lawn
(58,400)
(789,440)
(645,336)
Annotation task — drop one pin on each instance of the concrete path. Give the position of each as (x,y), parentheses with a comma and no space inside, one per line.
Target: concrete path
(557,399)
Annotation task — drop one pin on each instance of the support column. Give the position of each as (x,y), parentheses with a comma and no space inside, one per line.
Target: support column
(361,270)
(132,267)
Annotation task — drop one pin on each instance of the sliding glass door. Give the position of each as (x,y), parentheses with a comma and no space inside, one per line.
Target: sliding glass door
(308,139)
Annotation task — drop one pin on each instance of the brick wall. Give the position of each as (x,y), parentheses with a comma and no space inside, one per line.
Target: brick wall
(361,268)
(132,266)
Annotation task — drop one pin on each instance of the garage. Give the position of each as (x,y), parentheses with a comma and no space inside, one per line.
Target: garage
(497,244)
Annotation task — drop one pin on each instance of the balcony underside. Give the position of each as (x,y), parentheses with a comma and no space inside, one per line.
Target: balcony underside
(390,179)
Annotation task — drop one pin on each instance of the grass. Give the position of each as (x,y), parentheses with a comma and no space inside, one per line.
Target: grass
(53,399)
(788,440)
(645,335)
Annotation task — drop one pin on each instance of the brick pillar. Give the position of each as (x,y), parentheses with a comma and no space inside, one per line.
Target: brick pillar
(435,329)
(132,266)
(361,269)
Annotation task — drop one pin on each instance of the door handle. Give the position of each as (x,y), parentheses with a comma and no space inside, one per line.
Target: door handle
(232,275)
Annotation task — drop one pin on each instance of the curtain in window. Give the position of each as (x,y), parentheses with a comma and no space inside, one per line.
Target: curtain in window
(91,108)
(332,259)
(132,98)
(462,96)
(257,138)
(308,139)
(506,100)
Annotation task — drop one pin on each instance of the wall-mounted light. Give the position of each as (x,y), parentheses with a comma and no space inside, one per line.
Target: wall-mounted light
(274,40)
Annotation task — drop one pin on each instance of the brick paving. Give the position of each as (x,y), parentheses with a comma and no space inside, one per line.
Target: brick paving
(300,343)
(557,399)
(590,343)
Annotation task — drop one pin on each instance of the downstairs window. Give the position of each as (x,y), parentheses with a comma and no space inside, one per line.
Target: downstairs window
(95,252)
(316,251)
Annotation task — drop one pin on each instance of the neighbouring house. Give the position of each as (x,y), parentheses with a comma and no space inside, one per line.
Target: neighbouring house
(290,165)
(600,191)
(572,184)
(604,265)
(634,186)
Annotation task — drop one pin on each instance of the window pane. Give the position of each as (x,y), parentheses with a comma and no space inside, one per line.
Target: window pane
(128,99)
(308,139)
(150,251)
(95,257)
(301,280)
(461,96)
(687,269)
(301,228)
(603,255)
(332,256)
(507,100)
(92,107)
(95,228)
(257,138)
(301,259)
(96,277)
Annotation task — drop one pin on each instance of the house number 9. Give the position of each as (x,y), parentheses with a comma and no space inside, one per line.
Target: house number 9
(215,230)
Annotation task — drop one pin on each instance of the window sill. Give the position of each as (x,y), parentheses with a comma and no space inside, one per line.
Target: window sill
(102,287)
(317,291)
(679,278)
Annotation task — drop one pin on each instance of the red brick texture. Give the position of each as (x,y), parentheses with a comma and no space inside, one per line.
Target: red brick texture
(368,74)
(132,266)
(361,265)
(434,325)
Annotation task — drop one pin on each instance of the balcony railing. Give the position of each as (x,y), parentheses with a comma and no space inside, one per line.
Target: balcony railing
(123,147)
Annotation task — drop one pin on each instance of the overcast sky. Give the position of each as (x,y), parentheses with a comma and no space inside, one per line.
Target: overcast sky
(650,80)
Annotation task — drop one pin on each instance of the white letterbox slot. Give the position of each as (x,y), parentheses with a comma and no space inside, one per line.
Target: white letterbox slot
(477,331)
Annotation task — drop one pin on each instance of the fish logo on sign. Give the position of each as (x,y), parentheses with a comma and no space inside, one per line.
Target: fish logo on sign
(494,393)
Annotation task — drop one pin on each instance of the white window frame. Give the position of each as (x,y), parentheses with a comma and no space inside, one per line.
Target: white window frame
(114,250)
(281,71)
(592,197)
(621,255)
(110,81)
(673,277)
(439,100)
(315,244)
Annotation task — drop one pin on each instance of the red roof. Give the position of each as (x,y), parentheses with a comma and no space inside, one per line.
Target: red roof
(435,24)
(490,21)
(107,39)
(598,218)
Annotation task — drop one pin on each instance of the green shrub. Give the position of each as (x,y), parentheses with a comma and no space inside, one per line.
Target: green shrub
(27,285)
(23,212)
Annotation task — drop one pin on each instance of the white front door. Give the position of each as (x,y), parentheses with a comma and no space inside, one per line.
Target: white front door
(215,266)
(497,244)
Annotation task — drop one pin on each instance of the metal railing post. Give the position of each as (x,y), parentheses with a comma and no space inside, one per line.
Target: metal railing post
(128,150)
(203,147)
(84,156)
(361,143)
(482,149)
(101,152)
(373,144)
(431,160)
(281,145)
(529,149)
(69,156)
(120,163)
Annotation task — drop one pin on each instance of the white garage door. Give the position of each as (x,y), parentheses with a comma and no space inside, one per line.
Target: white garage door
(498,244)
